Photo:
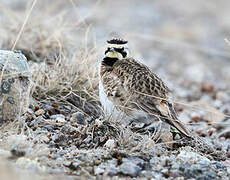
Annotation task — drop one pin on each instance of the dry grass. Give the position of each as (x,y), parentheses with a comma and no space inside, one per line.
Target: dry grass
(62,63)
(62,60)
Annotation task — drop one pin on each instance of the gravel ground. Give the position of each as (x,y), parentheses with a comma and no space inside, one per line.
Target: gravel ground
(64,134)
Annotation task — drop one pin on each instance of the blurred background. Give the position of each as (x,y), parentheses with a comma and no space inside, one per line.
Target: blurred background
(167,35)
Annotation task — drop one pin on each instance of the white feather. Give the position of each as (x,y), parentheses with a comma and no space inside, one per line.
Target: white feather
(109,108)
(117,46)
(107,105)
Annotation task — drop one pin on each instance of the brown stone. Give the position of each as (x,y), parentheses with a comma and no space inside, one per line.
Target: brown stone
(39,112)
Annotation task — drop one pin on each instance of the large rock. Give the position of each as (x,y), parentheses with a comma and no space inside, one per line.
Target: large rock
(14,85)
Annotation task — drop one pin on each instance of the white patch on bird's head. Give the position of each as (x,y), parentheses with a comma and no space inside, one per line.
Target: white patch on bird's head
(118,46)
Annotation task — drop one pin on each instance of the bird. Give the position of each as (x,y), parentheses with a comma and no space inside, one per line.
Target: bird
(129,87)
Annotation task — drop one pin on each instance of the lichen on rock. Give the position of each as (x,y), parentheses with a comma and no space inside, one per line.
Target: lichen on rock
(14,85)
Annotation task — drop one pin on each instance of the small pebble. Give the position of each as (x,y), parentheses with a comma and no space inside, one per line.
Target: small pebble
(17,152)
(222,96)
(207,87)
(110,144)
(228,170)
(79,118)
(99,169)
(112,170)
(58,118)
(60,139)
(190,157)
(39,112)
(71,165)
(225,134)
(130,169)
(89,120)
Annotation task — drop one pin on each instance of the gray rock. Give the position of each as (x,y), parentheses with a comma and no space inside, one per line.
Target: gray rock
(219,165)
(53,117)
(68,129)
(71,165)
(228,170)
(151,175)
(48,128)
(205,162)
(135,160)
(129,168)
(225,133)
(99,169)
(198,171)
(89,120)
(112,170)
(79,118)
(14,85)
(14,62)
(40,120)
(60,139)
(58,118)
(110,144)
(17,152)
(191,157)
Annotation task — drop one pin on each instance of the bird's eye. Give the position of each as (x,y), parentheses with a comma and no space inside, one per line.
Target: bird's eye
(122,48)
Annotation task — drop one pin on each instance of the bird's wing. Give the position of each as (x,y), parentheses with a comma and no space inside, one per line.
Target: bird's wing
(149,92)
(138,77)
(167,110)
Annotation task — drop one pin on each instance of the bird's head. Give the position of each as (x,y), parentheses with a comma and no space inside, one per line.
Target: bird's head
(117,48)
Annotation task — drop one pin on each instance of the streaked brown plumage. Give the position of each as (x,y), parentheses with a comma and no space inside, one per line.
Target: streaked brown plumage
(134,89)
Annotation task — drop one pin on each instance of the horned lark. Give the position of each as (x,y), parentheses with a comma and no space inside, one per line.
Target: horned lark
(130,87)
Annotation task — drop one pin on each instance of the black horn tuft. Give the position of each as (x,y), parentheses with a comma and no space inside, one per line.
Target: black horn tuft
(117,41)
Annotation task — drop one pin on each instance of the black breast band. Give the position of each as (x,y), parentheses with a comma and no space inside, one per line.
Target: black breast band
(109,61)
